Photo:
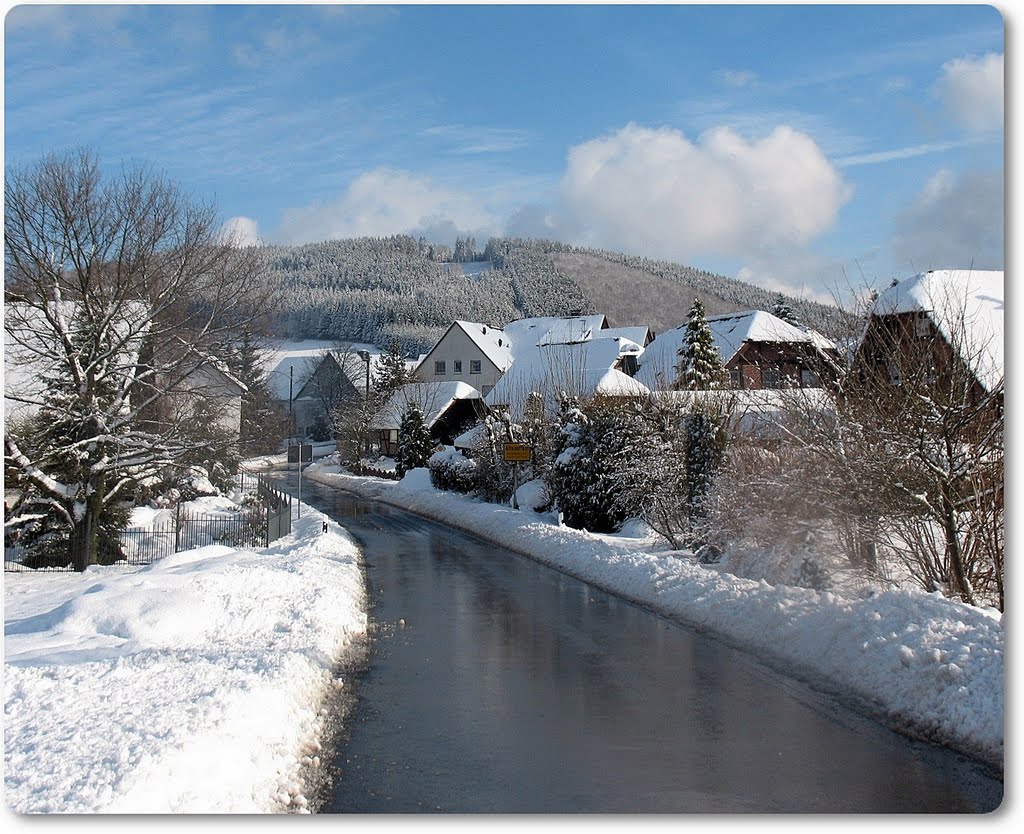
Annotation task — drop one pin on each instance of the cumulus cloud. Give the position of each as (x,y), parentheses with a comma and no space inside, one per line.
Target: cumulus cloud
(384,202)
(241,231)
(955,222)
(971,92)
(654,191)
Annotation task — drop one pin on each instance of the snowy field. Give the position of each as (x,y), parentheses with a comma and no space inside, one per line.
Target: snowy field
(191,685)
(926,665)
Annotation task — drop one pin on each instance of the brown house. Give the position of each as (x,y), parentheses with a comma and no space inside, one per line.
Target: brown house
(942,328)
(757,350)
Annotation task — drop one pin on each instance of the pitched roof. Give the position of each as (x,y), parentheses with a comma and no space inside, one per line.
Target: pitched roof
(433,399)
(288,365)
(552,330)
(966,306)
(493,343)
(729,332)
(580,369)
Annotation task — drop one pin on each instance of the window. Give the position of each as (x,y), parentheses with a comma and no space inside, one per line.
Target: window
(735,378)
(439,368)
(474,366)
(457,366)
(771,378)
(922,327)
(808,379)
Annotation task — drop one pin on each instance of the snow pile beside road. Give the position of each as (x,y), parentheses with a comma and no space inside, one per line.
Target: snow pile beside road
(190,685)
(925,664)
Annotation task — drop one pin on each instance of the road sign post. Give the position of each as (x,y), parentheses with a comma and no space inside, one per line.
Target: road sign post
(303,453)
(516,453)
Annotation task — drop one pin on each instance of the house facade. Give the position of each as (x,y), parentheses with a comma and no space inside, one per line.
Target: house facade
(946,324)
(757,350)
(448,408)
(310,381)
(469,352)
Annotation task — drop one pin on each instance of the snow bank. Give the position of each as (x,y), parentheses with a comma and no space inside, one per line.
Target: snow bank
(926,665)
(190,685)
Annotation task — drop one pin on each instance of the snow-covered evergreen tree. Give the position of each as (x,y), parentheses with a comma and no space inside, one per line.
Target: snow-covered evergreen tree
(392,372)
(782,309)
(699,367)
(264,421)
(602,474)
(705,446)
(415,445)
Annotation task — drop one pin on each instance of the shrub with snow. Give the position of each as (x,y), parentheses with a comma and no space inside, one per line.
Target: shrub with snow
(452,471)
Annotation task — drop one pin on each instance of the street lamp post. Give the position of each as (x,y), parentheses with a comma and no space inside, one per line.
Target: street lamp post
(365,356)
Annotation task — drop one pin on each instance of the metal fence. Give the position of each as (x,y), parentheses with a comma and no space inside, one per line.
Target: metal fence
(265,515)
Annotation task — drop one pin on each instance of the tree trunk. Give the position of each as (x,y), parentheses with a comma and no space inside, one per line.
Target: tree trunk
(959,583)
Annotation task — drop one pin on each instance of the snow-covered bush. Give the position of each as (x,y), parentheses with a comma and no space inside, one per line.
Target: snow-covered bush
(494,476)
(603,472)
(452,471)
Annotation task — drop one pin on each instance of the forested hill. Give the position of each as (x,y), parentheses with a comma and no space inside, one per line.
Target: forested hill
(373,289)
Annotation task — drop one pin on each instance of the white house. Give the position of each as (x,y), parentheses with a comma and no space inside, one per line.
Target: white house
(580,369)
(468,352)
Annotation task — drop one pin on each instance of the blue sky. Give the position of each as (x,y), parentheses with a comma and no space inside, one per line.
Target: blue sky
(804,148)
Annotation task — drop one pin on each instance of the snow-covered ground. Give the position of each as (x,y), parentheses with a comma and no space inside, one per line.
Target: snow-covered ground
(195,684)
(927,665)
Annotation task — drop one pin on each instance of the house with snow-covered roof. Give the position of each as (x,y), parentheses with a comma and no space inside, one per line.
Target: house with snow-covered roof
(757,351)
(470,352)
(948,318)
(32,361)
(554,330)
(448,408)
(312,378)
(585,369)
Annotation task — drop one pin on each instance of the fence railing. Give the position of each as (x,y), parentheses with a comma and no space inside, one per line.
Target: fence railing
(263,517)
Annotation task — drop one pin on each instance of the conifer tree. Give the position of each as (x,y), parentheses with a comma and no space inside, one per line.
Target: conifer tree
(415,445)
(392,372)
(782,309)
(264,422)
(699,367)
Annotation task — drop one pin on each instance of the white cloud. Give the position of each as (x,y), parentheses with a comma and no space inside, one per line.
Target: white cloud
(738,78)
(971,92)
(955,222)
(241,231)
(384,202)
(654,191)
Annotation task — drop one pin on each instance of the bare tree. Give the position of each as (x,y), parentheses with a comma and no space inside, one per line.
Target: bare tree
(122,292)
(902,461)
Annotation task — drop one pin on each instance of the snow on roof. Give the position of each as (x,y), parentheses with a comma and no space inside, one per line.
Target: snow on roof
(638,333)
(581,369)
(729,331)
(493,343)
(433,399)
(966,306)
(288,364)
(551,330)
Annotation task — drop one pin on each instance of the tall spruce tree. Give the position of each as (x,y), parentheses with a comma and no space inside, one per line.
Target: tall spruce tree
(699,367)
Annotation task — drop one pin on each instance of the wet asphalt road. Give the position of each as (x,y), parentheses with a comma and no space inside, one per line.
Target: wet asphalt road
(496,684)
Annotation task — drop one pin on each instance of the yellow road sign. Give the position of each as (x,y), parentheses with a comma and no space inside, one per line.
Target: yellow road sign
(517,452)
